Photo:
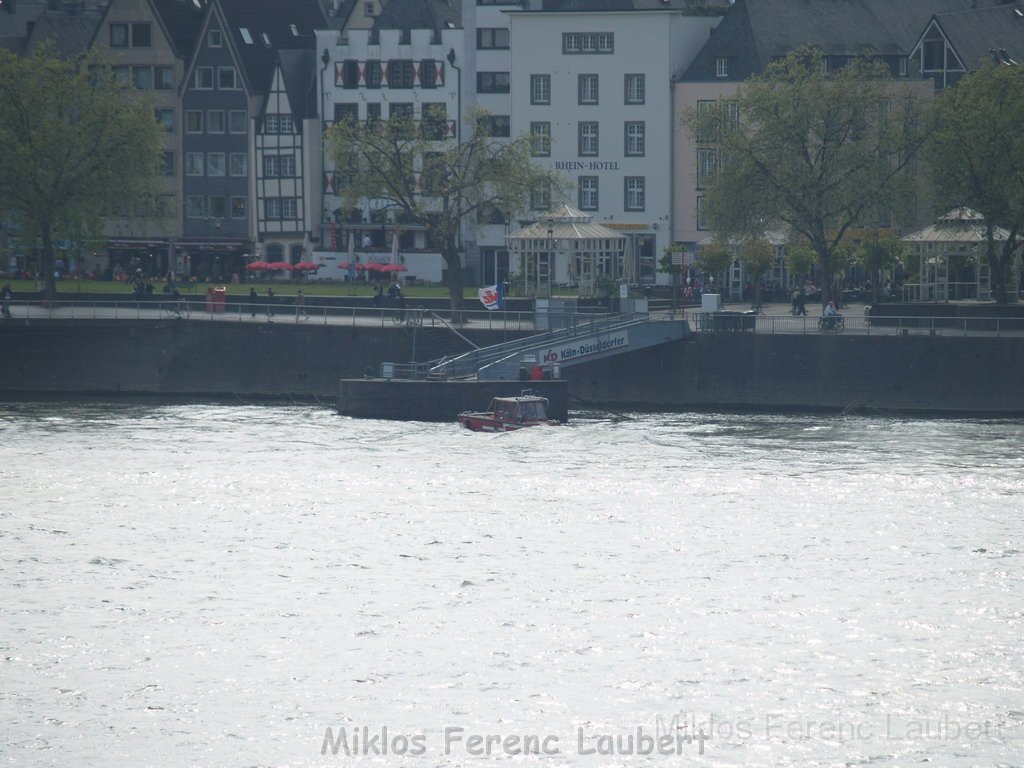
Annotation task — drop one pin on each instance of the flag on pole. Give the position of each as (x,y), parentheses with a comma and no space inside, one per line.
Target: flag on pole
(490,296)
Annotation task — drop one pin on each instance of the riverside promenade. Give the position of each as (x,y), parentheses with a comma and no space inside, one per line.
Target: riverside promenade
(773,319)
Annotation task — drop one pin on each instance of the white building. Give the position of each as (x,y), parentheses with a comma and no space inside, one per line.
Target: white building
(594,89)
(381,73)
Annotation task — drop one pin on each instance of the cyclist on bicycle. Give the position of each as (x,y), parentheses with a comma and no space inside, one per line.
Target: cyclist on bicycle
(831,317)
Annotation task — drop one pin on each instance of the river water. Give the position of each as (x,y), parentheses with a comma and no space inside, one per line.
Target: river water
(209,585)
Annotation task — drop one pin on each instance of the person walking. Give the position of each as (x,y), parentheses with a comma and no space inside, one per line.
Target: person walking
(270,303)
(300,307)
(254,299)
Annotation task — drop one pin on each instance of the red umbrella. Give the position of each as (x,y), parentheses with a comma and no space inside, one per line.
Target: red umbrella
(373,266)
(394,268)
(305,266)
(257,265)
(279,265)
(360,267)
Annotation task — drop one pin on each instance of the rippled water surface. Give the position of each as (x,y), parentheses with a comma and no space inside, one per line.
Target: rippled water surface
(217,586)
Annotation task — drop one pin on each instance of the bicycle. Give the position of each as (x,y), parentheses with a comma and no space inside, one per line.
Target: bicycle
(179,309)
(831,323)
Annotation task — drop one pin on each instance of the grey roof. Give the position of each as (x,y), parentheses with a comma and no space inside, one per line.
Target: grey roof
(582,6)
(69,34)
(298,70)
(961,225)
(563,223)
(270,20)
(753,33)
(419,14)
(181,20)
(974,34)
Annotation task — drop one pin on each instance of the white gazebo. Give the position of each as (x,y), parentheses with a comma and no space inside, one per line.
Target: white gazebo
(960,233)
(564,246)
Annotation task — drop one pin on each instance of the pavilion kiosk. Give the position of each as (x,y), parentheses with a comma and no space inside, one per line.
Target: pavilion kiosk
(565,247)
(951,247)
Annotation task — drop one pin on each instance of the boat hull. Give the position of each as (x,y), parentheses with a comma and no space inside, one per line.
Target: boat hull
(485,422)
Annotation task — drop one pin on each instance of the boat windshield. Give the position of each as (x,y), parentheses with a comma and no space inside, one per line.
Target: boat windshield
(504,411)
(533,410)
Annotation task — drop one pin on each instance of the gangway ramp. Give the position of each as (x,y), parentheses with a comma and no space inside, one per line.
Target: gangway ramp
(570,346)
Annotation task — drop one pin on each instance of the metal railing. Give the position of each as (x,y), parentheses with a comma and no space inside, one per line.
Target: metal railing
(197,310)
(470,362)
(871,326)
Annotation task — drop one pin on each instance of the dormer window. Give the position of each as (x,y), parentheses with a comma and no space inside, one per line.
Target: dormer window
(214,38)
(295,30)
(721,67)
(246,37)
(903,66)
(266,39)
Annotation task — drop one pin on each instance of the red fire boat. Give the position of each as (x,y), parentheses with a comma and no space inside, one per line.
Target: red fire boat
(505,414)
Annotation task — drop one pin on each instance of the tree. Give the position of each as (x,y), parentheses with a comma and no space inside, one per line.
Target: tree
(800,259)
(817,152)
(758,255)
(74,145)
(714,259)
(976,154)
(435,183)
(877,253)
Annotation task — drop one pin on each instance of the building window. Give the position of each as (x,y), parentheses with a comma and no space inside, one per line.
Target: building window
(143,77)
(215,164)
(721,67)
(215,121)
(164,78)
(702,216)
(588,42)
(118,35)
(285,124)
(271,124)
(434,124)
(374,73)
(496,125)
(272,208)
(368,9)
(226,79)
(288,165)
(238,164)
(218,208)
(194,208)
(541,135)
(167,164)
(489,38)
(400,111)
(289,208)
(204,78)
(588,89)
(492,82)
(343,112)
(707,162)
(400,73)
(903,66)
(588,193)
(214,38)
(238,207)
(373,112)
(405,37)
(166,118)
(193,163)
(194,121)
(428,74)
(635,89)
(237,121)
(142,36)
(636,135)
(588,139)
(271,165)
(347,76)
(540,89)
(121,73)
(635,193)
(540,199)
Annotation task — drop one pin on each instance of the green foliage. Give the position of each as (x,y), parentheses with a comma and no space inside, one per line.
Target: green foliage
(800,259)
(665,264)
(74,145)
(812,151)
(437,184)
(714,259)
(976,155)
(758,255)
